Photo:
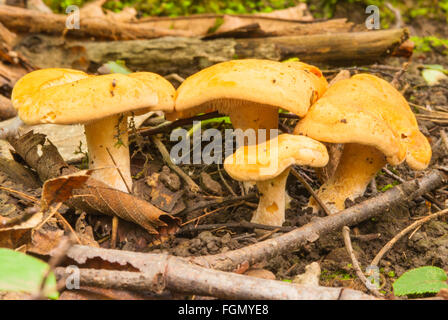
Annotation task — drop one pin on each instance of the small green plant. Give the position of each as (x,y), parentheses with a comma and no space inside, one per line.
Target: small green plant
(426,44)
(389,186)
(22,273)
(85,156)
(420,281)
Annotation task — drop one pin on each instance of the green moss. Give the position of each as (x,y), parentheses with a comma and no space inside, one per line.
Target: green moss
(426,44)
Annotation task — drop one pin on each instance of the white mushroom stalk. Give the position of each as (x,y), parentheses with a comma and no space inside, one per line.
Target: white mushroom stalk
(268,163)
(108,146)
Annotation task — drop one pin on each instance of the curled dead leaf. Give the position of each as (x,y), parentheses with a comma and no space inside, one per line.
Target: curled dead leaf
(61,188)
(86,193)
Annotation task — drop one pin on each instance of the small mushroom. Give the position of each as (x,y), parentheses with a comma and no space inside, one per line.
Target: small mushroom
(377,126)
(267,163)
(102,103)
(250,92)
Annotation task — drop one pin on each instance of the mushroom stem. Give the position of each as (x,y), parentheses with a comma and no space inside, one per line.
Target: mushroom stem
(271,207)
(110,133)
(255,116)
(358,165)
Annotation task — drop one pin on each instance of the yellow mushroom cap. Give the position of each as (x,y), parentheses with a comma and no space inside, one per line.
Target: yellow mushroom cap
(368,110)
(293,86)
(269,159)
(66,96)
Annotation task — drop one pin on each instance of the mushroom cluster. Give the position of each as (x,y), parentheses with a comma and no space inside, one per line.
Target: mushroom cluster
(365,113)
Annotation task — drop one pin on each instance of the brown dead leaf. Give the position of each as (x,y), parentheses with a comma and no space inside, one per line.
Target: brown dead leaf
(15,232)
(61,188)
(14,238)
(261,26)
(197,25)
(27,221)
(44,241)
(260,273)
(89,194)
(128,14)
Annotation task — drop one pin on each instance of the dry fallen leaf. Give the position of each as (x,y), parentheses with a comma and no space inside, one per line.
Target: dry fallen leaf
(44,241)
(61,188)
(89,194)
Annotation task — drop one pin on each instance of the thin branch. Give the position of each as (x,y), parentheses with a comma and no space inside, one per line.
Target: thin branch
(119,171)
(166,157)
(219,202)
(299,177)
(355,263)
(232,225)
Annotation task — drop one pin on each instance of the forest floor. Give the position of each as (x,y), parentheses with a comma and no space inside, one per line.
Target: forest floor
(427,246)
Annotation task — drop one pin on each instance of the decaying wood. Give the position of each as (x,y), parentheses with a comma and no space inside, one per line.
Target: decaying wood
(185,56)
(30,21)
(262,26)
(158,272)
(94,22)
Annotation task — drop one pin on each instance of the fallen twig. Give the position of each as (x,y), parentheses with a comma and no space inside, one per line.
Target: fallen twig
(159,272)
(355,263)
(299,177)
(55,260)
(166,157)
(231,225)
(220,202)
